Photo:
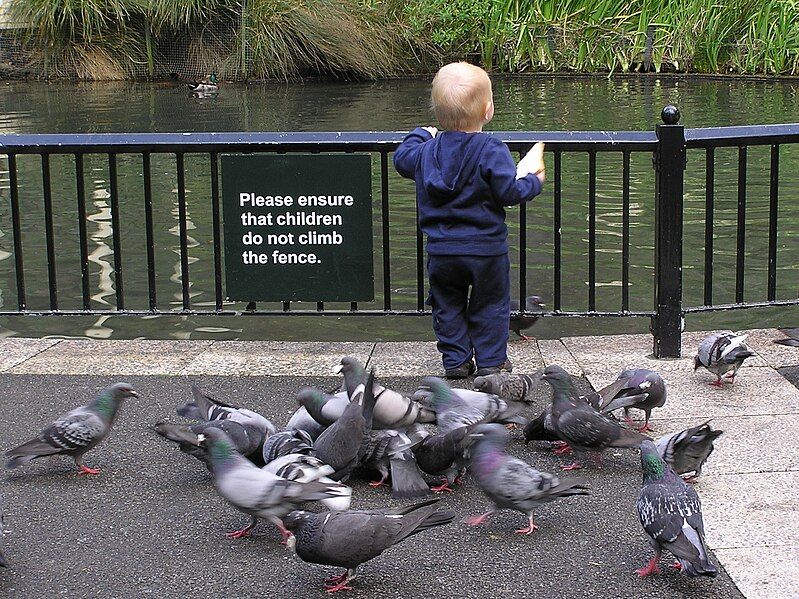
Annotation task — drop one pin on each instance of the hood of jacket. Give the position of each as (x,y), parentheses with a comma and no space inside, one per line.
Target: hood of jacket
(449,165)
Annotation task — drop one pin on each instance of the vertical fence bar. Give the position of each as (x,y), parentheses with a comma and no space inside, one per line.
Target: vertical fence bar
(384,217)
(49,236)
(625,231)
(772,222)
(669,174)
(19,266)
(148,225)
(591,231)
(556,230)
(741,242)
(710,176)
(182,216)
(320,306)
(216,230)
(82,234)
(116,232)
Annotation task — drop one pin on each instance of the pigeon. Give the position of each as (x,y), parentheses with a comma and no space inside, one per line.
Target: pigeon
(792,340)
(671,514)
(323,407)
(205,408)
(257,492)
(445,454)
(688,450)
(286,442)
(305,469)
(721,353)
(511,483)
(385,450)
(339,445)
(75,432)
(518,321)
(393,410)
(490,405)
(461,407)
(507,386)
(635,388)
(580,425)
(541,428)
(348,539)
(301,420)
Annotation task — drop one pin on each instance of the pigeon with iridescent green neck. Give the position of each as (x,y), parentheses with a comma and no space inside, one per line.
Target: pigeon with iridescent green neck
(75,432)
(671,514)
(257,492)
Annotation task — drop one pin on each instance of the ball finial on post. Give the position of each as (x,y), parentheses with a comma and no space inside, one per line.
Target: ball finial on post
(670,115)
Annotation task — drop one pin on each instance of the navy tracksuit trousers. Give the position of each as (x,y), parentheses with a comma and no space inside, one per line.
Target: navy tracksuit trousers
(470,298)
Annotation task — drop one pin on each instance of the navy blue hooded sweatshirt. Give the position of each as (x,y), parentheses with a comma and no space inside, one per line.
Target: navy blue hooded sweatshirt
(463,183)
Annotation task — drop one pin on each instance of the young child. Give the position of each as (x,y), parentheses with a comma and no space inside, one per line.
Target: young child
(464,179)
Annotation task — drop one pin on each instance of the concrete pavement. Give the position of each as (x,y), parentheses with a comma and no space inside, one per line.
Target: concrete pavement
(151,523)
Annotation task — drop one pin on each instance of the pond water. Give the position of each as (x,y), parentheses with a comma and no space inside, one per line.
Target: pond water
(534,103)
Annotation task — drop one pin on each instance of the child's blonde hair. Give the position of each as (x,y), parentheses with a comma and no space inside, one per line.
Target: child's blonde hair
(460,96)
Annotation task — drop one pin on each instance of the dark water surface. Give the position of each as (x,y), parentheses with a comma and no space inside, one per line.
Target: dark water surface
(522,103)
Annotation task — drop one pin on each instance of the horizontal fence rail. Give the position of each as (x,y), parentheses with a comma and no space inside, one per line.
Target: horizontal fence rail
(598,155)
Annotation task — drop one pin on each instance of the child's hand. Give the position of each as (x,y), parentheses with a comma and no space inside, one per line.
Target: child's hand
(431,130)
(533,162)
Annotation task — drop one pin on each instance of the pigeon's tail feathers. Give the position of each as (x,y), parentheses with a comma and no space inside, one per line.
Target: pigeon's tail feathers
(316,491)
(625,401)
(628,438)
(689,549)
(572,486)
(340,502)
(176,432)
(701,567)
(406,480)
(369,399)
(789,341)
(3,560)
(28,451)
(206,406)
(422,519)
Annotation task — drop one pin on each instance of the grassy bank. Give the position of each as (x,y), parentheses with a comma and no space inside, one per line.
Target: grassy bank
(283,39)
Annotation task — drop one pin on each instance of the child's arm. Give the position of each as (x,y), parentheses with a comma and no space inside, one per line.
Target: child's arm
(500,170)
(408,151)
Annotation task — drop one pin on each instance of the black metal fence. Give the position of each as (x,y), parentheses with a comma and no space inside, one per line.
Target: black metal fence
(669,146)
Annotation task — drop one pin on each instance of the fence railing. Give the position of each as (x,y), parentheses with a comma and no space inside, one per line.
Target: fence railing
(669,145)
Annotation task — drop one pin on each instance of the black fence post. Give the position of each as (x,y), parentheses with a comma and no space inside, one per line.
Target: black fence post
(669,172)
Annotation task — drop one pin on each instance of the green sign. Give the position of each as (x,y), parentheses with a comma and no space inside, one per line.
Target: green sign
(298,227)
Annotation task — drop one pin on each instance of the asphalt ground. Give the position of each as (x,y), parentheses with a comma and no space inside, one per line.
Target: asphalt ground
(151,524)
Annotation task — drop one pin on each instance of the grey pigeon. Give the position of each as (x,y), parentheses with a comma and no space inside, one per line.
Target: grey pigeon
(460,407)
(671,514)
(286,442)
(390,450)
(511,483)
(792,340)
(205,408)
(323,407)
(445,454)
(305,469)
(581,426)
(688,450)
(721,353)
(517,321)
(257,492)
(348,539)
(301,420)
(507,386)
(75,432)
(393,410)
(638,388)
(339,445)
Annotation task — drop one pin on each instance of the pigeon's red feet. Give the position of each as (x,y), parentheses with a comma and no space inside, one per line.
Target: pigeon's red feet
(677,566)
(238,534)
(342,586)
(87,470)
(525,337)
(527,530)
(378,483)
(511,426)
(649,569)
(646,428)
(442,488)
(691,480)
(476,520)
(572,466)
(717,383)
(334,580)
(562,449)
(460,480)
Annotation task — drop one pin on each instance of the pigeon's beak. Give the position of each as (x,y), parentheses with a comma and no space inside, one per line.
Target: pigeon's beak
(291,543)
(134,394)
(200,440)
(337,368)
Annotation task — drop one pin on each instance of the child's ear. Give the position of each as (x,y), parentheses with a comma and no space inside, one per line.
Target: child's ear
(489,112)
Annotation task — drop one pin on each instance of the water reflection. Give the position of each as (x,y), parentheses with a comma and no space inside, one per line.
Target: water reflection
(522,103)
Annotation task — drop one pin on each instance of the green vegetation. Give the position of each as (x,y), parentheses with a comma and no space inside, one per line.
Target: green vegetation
(116,39)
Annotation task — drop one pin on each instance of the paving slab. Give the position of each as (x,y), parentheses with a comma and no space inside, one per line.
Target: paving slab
(274,358)
(763,572)
(113,357)
(776,355)
(553,351)
(407,358)
(15,350)
(751,510)
(749,443)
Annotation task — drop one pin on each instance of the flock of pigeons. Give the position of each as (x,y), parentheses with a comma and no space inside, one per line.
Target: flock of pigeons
(270,474)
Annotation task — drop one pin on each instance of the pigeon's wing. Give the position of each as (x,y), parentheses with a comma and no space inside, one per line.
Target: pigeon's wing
(348,539)
(587,428)
(672,520)
(793,337)
(608,393)
(80,429)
